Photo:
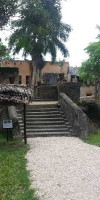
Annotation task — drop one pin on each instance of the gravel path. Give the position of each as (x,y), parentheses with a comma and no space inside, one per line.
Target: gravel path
(64,168)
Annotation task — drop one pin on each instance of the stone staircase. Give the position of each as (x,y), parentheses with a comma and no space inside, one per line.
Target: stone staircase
(45,120)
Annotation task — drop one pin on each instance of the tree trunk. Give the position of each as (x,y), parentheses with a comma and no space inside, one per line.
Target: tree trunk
(0,61)
(33,74)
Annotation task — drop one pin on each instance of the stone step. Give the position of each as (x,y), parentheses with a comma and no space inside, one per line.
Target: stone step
(31,115)
(28,129)
(34,126)
(39,106)
(20,118)
(20,121)
(44,116)
(45,123)
(41,99)
(46,130)
(45,119)
(43,112)
(40,113)
(36,111)
(19,111)
(49,134)
(39,109)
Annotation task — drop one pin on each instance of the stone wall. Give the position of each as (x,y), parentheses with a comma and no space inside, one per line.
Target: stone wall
(13,116)
(47,92)
(9,112)
(77,118)
(97,89)
(72,90)
(50,78)
(87,91)
(3,115)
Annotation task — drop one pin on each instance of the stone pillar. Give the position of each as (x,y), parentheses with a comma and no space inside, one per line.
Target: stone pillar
(13,116)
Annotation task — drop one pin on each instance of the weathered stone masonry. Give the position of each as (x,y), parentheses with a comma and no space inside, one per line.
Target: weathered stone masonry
(72,90)
(77,118)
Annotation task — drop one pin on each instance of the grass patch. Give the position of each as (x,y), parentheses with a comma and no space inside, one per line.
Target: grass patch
(14,181)
(94,139)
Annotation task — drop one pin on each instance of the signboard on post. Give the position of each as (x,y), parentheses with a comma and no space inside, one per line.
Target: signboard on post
(7,124)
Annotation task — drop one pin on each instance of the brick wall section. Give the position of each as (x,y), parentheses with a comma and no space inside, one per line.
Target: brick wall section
(72,90)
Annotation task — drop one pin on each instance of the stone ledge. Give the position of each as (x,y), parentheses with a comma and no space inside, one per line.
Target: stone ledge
(77,118)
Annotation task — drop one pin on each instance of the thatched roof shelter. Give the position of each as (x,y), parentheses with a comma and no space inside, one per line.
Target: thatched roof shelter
(15,94)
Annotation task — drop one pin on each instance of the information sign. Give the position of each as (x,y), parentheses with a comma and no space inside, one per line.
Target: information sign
(7,124)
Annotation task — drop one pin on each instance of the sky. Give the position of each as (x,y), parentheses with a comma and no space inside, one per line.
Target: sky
(83,16)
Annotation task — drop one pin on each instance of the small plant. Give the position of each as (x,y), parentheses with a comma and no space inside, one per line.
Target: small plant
(61,63)
(80,103)
(94,139)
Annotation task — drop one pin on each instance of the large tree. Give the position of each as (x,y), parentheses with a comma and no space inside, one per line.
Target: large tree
(40,30)
(2,49)
(91,67)
(7,9)
(4,52)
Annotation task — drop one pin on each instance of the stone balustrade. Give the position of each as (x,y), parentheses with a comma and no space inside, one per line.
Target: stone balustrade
(77,118)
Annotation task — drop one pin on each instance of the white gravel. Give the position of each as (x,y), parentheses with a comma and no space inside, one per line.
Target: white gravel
(64,168)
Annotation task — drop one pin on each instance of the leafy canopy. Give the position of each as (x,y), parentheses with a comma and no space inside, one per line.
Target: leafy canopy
(2,49)
(91,67)
(4,52)
(40,29)
(7,9)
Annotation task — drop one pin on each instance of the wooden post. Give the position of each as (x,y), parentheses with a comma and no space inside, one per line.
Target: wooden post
(7,134)
(25,137)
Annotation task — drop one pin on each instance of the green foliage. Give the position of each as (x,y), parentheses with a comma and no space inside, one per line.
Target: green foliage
(7,9)
(40,30)
(94,139)
(85,72)
(14,178)
(61,63)
(91,67)
(7,56)
(2,49)
(4,52)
